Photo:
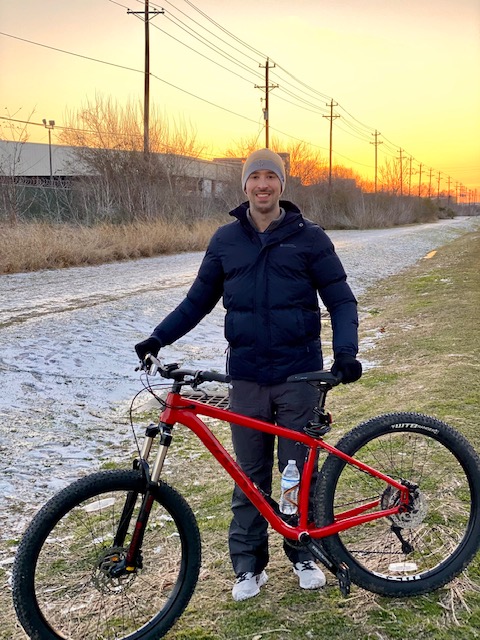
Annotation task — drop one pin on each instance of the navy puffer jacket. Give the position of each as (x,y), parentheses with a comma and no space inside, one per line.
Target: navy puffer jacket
(272,321)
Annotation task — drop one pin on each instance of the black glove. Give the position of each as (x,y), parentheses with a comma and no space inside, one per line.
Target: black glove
(348,366)
(150,345)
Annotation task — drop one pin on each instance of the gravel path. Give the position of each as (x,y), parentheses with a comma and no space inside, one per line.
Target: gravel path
(67,361)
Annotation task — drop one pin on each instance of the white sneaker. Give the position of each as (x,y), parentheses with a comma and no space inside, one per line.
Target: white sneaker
(309,575)
(247,585)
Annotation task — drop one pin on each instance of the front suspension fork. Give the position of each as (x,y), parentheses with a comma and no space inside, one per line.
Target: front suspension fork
(133,558)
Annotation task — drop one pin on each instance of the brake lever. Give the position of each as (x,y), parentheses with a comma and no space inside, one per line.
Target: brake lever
(150,369)
(153,367)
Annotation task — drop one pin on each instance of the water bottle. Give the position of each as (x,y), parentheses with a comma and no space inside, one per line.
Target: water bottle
(289,487)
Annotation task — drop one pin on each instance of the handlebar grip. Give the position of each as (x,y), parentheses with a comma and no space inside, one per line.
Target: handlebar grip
(213,376)
(324,376)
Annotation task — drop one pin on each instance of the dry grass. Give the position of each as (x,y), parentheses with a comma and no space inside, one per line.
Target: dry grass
(34,246)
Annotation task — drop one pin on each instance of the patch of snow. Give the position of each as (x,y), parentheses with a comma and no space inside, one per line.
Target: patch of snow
(68,366)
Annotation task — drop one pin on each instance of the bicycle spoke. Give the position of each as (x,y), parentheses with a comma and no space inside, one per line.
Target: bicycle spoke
(443,486)
(74,590)
(436,536)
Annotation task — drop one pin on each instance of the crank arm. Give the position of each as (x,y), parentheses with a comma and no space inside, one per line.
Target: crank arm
(340,571)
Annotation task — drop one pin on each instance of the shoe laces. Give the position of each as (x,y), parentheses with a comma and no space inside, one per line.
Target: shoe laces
(242,577)
(307,565)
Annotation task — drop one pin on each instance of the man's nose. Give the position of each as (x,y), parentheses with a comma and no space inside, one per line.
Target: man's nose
(263,182)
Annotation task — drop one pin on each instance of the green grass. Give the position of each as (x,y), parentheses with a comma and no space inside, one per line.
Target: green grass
(426,355)
(426,359)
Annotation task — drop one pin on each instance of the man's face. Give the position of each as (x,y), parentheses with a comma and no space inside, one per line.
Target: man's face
(263,189)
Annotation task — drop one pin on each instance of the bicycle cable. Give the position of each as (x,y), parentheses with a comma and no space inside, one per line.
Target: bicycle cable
(147,387)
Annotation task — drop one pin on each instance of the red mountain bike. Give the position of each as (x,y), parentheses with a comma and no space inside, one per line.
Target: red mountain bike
(116,555)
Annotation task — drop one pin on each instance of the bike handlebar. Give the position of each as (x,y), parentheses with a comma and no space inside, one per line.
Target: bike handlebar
(174,372)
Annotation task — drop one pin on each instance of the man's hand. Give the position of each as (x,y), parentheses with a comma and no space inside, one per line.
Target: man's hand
(348,366)
(150,345)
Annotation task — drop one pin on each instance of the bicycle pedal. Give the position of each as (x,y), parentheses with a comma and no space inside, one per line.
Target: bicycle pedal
(343,576)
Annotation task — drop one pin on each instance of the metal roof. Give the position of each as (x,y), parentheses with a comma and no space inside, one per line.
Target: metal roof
(32,159)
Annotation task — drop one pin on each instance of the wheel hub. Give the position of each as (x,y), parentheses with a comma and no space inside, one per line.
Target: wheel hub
(413,514)
(109,574)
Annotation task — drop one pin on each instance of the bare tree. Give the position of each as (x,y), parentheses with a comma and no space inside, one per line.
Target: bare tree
(243,148)
(13,200)
(306,165)
(125,183)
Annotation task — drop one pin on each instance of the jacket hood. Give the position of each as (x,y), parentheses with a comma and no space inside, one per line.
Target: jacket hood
(240,212)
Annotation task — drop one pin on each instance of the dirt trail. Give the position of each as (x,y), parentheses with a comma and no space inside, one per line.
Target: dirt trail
(67,361)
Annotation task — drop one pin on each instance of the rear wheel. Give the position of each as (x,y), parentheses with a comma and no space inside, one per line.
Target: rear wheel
(426,547)
(63,586)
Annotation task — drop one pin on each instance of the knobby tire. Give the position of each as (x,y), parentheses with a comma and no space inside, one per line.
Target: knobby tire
(443,526)
(59,588)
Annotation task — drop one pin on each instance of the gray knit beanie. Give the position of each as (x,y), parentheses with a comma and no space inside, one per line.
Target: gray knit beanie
(266,160)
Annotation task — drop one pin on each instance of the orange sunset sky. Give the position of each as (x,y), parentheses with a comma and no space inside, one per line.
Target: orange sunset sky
(409,70)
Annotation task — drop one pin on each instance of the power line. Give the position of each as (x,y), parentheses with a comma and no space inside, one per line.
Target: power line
(320,109)
(361,133)
(70,53)
(131,69)
(203,55)
(257,52)
(219,26)
(356,128)
(212,33)
(314,109)
(310,89)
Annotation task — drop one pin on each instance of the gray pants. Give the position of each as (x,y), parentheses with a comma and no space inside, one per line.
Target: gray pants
(289,404)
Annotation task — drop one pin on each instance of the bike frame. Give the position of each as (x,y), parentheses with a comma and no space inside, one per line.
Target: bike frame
(179,409)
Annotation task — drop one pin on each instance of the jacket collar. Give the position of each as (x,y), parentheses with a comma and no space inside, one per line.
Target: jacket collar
(240,212)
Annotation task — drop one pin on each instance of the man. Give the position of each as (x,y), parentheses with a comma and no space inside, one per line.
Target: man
(268,265)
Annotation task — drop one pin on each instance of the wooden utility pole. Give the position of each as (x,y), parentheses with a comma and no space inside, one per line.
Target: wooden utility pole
(376,143)
(331,117)
(410,176)
(146,94)
(430,184)
(268,87)
(420,179)
(401,171)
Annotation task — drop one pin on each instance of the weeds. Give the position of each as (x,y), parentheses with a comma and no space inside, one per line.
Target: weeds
(37,245)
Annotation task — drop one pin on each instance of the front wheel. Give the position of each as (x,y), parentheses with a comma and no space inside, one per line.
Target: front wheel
(62,586)
(435,539)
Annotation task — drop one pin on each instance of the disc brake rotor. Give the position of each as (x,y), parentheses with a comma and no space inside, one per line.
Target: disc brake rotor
(102,575)
(415,511)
